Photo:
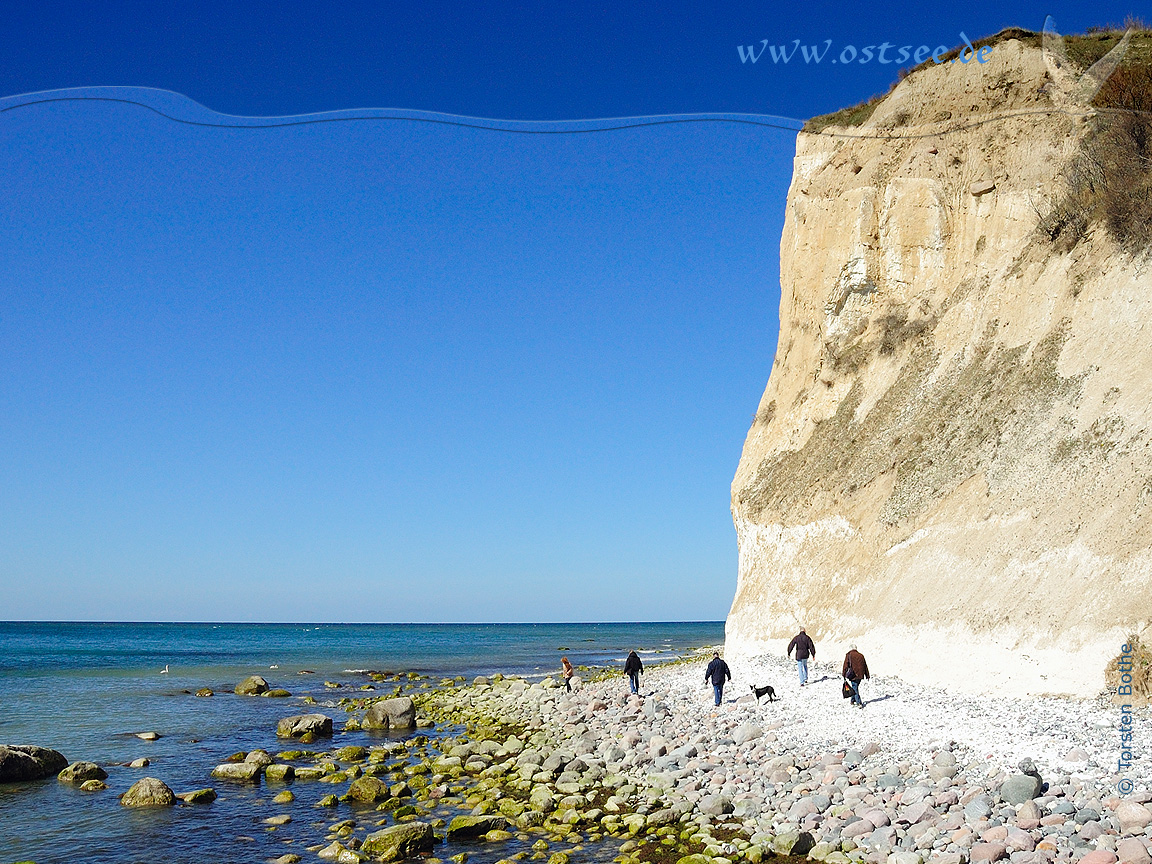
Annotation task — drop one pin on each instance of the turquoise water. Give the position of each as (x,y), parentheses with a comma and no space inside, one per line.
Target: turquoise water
(85,688)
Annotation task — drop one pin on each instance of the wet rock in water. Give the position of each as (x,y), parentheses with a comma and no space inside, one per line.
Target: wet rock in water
(351,753)
(282,819)
(27,762)
(468,827)
(239,772)
(285,797)
(253,685)
(279,773)
(301,725)
(397,713)
(1020,788)
(139,763)
(258,757)
(328,801)
(276,693)
(205,691)
(198,796)
(93,785)
(148,736)
(79,772)
(290,858)
(399,841)
(148,792)
(368,790)
(338,852)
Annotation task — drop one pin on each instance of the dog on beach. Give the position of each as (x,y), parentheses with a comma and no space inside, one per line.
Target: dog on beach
(766,690)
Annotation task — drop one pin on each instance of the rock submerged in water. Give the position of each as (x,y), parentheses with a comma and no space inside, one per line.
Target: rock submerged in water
(399,841)
(253,685)
(148,792)
(469,827)
(239,772)
(397,713)
(300,725)
(23,762)
(79,772)
(368,789)
(198,796)
(205,691)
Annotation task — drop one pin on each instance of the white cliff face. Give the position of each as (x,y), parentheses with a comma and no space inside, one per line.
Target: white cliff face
(952,462)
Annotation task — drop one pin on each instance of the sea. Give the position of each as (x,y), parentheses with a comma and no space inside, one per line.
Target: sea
(87,690)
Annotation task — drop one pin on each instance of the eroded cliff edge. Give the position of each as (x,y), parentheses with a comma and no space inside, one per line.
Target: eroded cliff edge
(952,462)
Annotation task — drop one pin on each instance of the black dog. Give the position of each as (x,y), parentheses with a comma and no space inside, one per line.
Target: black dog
(767,690)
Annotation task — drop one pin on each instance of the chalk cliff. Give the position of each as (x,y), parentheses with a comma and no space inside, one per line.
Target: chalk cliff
(952,462)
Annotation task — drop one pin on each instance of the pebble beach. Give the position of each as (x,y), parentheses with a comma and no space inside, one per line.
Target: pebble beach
(508,767)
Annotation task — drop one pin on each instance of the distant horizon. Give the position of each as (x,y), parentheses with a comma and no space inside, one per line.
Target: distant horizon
(372,623)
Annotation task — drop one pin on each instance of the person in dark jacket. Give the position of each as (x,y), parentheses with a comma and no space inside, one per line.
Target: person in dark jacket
(805,648)
(632,668)
(855,670)
(717,672)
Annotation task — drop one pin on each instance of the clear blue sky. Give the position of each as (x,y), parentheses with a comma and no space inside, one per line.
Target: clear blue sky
(394,372)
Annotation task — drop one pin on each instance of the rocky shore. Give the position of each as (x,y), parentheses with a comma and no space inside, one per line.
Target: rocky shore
(503,769)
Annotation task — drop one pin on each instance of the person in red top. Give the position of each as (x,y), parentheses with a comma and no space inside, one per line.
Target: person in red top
(855,670)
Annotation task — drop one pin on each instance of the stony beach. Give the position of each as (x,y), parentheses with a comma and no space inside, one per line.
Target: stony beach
(505,768)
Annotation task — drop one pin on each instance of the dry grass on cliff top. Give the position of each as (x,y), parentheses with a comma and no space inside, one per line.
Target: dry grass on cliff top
(1083,50)
(1108,183)
(1141,673)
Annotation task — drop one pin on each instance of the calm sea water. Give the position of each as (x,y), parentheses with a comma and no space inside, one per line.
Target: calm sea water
(85,689)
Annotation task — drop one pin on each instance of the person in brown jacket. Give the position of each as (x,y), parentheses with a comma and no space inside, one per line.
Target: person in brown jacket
(855,670)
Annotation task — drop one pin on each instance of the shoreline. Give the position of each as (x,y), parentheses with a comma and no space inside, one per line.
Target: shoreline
(526,771)
(919,773)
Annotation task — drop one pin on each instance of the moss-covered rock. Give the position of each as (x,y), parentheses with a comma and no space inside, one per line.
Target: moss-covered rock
(399,841)
(367,789)
(253,685)
(469,827)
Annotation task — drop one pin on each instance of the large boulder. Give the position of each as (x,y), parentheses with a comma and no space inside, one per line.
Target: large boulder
(148,792)
(27,762)
(253,685)
(301,724)
(399,841)
(398,713)
(468,827)
(79,772)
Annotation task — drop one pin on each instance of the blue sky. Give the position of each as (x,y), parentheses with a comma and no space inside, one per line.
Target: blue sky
(393,372)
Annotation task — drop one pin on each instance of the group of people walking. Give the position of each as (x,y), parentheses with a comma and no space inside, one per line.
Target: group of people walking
(853,671)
